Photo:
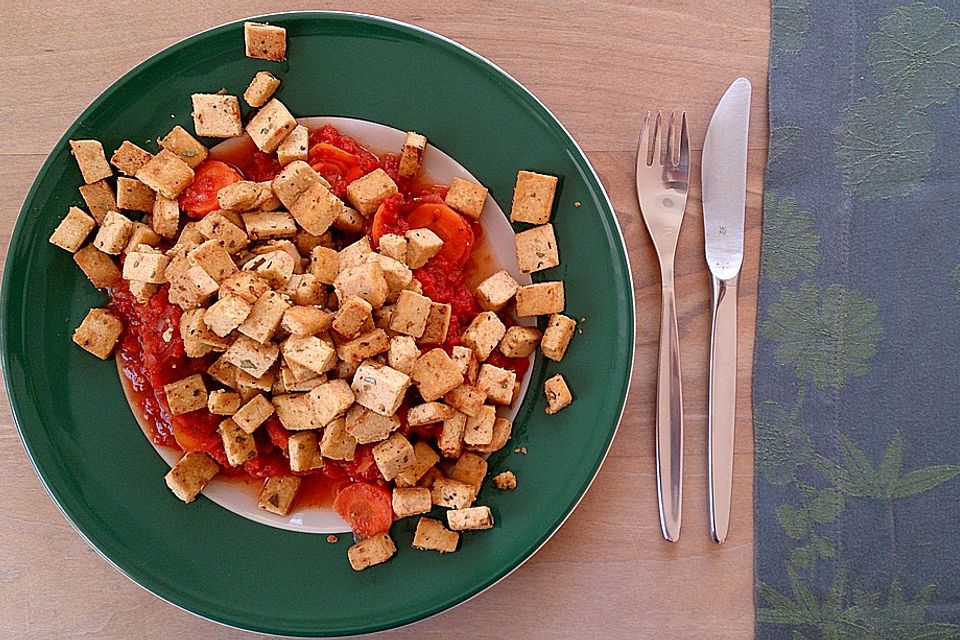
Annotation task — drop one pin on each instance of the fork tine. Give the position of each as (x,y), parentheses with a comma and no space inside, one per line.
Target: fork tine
(683,163)
(643,144)
(657,154)
(671,145)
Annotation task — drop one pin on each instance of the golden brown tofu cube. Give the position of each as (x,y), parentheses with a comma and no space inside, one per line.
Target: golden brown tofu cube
(180,142)
(353,314)
(393,455)
(190,475)
(479,430)
(73,230)
(336,443)
(438,323)
(431,535)
(497,383)
(226,314)
(540,299)
(166,173)
(403,354)
(216,226)
(506,481)
(261,89)
(502,430)
(466,361)
(254,413)
(537,249)
(411,156)
(294,146)
(557,337)
(186,395)
(371,551)
(166,217)
(246,285)
(435,373)
(466,399)
(91,159)
(216,115)
(97,266)
(223,403)
(278,494)
(495,292)
(411,313)
(470,469)
(379,388)
(466,197)
(310,352)
(265,41)
(324,264)
(304,451)
(452,494)
(141,234)
(425,459)
(307,196)
(237,443)
(398,275)
(520,342)
(275,266)
(394,246)
(265,317)
(422,244)
(128,158)
(471,519)
(306,320)
(98,333)
(271,125)
(450,441)
(145,266)
(368,192)
(364,346)
(484,334)
(366,281)
(296,412)
(113,234)
(366,426)
(558,394)
(192,287)
(99,198)
(133,195)
(243,195)
(330,400)
(411,501)
(533,198)
(428,413)
(249,355)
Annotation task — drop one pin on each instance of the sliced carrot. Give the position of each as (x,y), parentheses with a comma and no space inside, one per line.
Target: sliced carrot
(366,507)
(200,198)
(452,228)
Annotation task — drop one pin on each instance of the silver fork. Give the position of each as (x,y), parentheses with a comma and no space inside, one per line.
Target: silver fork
(662,193)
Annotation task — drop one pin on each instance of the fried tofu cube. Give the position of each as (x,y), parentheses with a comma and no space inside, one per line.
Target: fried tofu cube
(364,346)
(428,413)
(251,356)
(242,195)
(558,394)
(216,115)
(506,481)
(429,478)
(411,501)
(294,146)
(215,226)
(197,338)
(278,494)
(398,275)
(166,217)
(336,443)
(348,220)
(190,475)
(237,443)
(411,155)
(479,429)
(128,158)
(145,266)
(540,299)
(296,411)
(310,352)
(520,342)
(265,41)
(265,317)
(466,399)
(133,195)
(307,196)
(452,494)
(304,451)
(495,292)
(379,388)
(114,233)
(426,459)
(254,413)
(470,469)
(73,230)
(226,314)
(166,173)
(331,400)
(438,322)
(371,551)
(557,337)
(306,321)
(142,234)
(366,426)
(393,455)
(497,383)
(191,288)
(91,159)
(188,148)
(466,197)
(353,314)
(246,285)
(223,372)
(502,430)
(431,535)
(484,334)
(99,268)
(324,264)
(223,403)
(186,395)
(403,354)
(472,519)
(422,244)
(98,333)
(366,193)
(394,246)
(450,441)
(271,125)
(537,249)
(355,254)
(533,198)
(99,198)
(410,315)
(275,266)
(466,361)
(435,374)
(366,281)
(261,88)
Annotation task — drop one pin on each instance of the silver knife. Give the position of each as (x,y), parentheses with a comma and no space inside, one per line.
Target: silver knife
(724,176)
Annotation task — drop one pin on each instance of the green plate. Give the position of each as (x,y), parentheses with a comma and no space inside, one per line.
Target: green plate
(107,479)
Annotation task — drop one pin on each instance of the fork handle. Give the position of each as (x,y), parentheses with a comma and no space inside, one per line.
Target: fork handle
(722,412)
(669,416)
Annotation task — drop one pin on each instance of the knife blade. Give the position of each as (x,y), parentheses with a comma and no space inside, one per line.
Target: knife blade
(724,181)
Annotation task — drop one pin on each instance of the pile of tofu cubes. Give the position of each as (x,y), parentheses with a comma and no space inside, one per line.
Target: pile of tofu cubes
(330,338)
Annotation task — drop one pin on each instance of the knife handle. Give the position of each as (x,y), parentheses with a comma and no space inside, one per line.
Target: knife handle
(669,416)
(722,411)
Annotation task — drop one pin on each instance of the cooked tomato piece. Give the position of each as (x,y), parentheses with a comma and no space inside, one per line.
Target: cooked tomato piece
(279,436)
(363,466)
(452,228)
(200,198)
(388,219)
(366,507)
(196,431)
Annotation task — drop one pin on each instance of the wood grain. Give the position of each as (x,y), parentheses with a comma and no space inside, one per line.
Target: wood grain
(598,66)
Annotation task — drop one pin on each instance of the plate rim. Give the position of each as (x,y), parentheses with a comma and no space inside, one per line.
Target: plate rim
(18,231)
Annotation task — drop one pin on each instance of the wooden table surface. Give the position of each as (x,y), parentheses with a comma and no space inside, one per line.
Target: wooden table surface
(598,66)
